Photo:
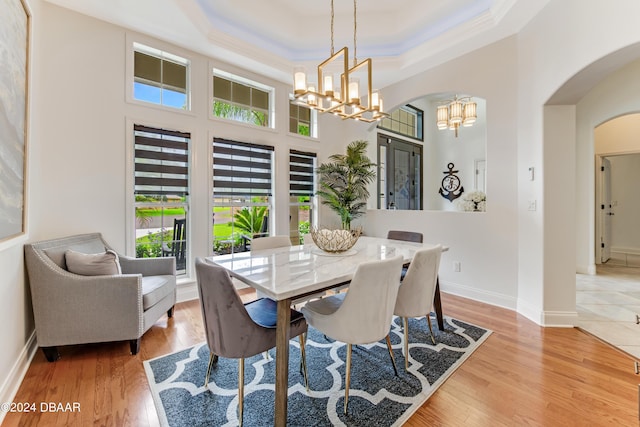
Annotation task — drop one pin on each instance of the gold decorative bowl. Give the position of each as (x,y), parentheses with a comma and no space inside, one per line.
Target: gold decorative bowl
(334,241)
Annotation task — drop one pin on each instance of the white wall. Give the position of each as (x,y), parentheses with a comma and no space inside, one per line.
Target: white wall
(80,134)
(612,98)
(557,44)
(625,176)
(616,139)
(510,256)
(484,243)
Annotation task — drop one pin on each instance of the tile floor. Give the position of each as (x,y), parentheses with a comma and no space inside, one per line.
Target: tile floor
(607,304)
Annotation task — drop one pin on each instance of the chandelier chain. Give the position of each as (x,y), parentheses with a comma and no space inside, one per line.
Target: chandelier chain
(355,28)
(331,28)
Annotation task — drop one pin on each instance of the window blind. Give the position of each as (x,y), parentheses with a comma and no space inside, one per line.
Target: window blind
(161,162)
(241,169)
(158,72)
(301,173)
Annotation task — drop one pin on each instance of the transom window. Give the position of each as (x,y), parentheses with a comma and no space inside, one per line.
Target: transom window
(160,77)
(302,120)
(242,193)
(406,120)
(161,193)
(242,100)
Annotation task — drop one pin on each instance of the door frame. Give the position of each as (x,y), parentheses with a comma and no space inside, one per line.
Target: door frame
(384,140)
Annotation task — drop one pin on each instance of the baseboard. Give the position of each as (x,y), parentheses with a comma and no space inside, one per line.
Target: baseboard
(559,319)
(529,311)
(586,269)
(486,297)
(18,371)
(186,291)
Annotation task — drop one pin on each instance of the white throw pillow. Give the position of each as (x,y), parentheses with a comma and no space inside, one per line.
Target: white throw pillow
(101,264)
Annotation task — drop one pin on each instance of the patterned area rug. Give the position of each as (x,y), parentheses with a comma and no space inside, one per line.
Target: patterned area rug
(177,380)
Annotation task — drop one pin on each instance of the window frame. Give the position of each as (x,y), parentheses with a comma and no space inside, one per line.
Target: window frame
(313,199)
(132,204)
(149,47)
(419,125)
(235,78)
(313,120)
(243,200)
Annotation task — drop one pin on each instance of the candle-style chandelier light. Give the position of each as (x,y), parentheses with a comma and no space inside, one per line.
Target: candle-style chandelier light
(456,112)
(340,96)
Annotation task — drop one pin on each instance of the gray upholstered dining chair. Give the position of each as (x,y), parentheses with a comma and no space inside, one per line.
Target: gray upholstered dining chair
(363,314)
(236,330)
(416,293)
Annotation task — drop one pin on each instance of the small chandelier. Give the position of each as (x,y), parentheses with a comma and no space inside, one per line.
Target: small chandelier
(456,112)
(343,99)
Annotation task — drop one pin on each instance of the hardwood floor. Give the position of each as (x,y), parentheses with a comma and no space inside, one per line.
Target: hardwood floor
(522,375)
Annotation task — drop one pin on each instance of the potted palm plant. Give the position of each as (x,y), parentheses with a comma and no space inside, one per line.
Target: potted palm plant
(343,187)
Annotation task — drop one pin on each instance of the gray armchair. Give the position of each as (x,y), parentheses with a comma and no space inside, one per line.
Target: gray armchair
(75,309)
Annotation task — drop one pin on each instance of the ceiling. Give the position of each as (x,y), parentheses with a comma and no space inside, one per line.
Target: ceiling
(403,37)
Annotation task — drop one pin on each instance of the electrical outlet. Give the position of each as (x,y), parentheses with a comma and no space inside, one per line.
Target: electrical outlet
(533,205)
(456,266)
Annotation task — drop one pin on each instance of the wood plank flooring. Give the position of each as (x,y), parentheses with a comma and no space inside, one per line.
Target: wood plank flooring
(523,375)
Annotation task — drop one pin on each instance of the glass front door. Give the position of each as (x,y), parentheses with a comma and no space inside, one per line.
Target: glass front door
(400,174)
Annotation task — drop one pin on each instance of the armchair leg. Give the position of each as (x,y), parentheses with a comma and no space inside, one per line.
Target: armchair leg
(51,353)
(135,346)
(170,311)
(347,381)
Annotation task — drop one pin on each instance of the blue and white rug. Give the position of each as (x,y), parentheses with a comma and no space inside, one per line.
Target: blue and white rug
(376,395)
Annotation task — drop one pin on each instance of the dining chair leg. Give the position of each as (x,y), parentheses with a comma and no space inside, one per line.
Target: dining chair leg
(347,382)
(406,343)
(240,389)
(430,327)
(213,359)
(303,356)
(393,359)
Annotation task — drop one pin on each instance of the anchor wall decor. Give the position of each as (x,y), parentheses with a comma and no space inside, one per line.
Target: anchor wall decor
(451,188)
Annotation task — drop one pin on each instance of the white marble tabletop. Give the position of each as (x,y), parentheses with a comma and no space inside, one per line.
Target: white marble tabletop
(287,272)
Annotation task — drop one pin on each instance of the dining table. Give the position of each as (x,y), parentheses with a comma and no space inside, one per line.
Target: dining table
(290,273)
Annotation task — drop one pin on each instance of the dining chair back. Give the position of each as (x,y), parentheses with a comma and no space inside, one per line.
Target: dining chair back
(407,236)
(417,291)
(366,312)
(270,242)
(363,314)
(236,330)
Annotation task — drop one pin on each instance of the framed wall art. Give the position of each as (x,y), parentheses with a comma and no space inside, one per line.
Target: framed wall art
(14,77)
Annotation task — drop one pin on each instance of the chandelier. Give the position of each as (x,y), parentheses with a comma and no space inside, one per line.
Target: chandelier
(456,112)
(343,99)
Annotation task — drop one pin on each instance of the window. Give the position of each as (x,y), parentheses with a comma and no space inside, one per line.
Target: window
(242,193)
(161,192)
(302,120)
(242,100)
(160,78)
(302,188)
(406,120)
(399,174)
